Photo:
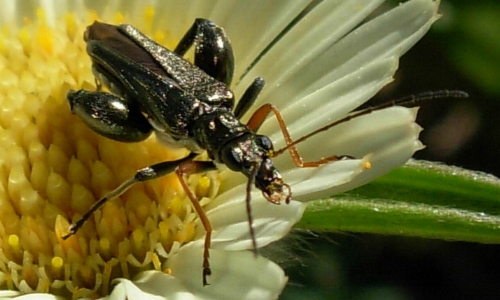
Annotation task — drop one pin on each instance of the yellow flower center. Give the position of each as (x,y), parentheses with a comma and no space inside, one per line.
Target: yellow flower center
(53,168)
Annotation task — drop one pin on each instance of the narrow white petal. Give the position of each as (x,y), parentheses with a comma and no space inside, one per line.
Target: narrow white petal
(135,10)
(332,101)
(126,289)
(387,35)
(152,285)
(361,136)
(235,274)
(52,10)
(229,180)
(258,22)
(324,177)
(235,17)
(229,220)
(176,17)
(383,161)
(7,294)
(319,29)
(35,296)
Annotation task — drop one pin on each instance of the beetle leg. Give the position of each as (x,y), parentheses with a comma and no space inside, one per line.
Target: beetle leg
(110,115)
(182,167)
(257,120)
(249,97)
(191,167)
(213,51)
(145,174)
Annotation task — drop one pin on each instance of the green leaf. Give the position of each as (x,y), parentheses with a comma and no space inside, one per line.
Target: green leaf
(421,199)
(472,42)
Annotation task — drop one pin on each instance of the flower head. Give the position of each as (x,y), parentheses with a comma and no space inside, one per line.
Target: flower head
(148,242)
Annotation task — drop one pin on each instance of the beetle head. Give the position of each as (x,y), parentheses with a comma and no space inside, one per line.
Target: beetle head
(251,154)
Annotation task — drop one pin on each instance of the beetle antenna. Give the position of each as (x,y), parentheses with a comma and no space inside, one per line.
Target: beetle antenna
(417,99)
(248,199)
(407,101)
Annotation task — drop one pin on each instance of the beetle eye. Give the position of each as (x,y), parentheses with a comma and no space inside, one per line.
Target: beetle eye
(264,142)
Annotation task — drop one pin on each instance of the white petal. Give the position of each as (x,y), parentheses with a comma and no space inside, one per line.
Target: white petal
(388,35)
(230,180)
(8,294)
(320,28)
(15,295)
(331,102)
(235,274)
(324,177)
(393,155)
(379,41)
(126,289)
(152,285)
(361,136)
(258,22)
(8,12)
(229,220)
(388,136)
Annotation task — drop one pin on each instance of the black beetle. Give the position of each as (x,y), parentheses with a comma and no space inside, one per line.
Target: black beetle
(189,105)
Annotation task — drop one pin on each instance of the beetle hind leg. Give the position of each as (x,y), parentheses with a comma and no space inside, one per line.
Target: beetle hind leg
(192,167)
(213,51)
(110,115)
(182,167)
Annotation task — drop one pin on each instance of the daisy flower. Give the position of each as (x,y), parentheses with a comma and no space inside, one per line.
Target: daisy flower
(320,62)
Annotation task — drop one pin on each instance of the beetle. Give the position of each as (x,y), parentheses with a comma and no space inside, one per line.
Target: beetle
(189,105)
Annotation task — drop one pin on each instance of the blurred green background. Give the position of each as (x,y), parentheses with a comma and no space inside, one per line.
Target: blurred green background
(462,51)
